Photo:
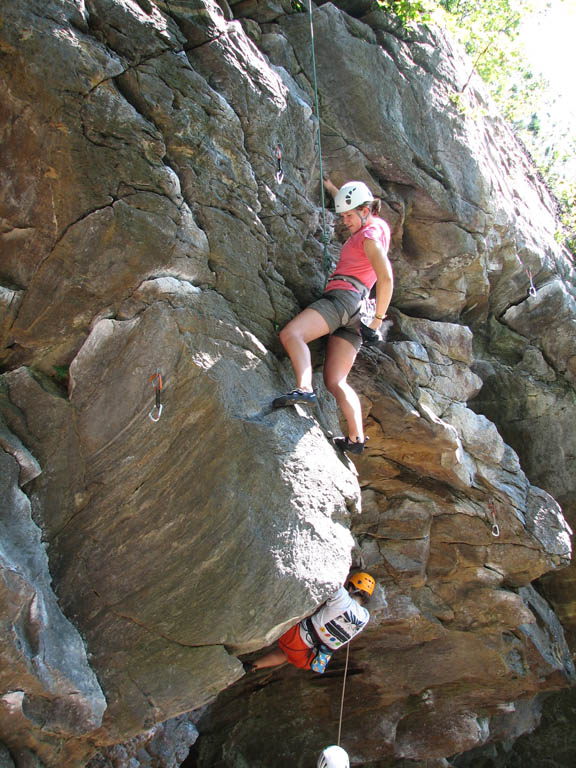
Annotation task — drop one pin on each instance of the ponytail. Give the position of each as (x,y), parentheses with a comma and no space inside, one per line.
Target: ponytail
(374,206)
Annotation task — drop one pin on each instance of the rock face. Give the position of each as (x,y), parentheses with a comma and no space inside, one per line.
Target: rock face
(552,743)
(146,233)
(47,682)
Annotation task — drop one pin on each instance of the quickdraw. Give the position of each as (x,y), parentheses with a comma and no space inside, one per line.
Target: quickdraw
(532,289)
(279,170)
(491,517)
(156,412)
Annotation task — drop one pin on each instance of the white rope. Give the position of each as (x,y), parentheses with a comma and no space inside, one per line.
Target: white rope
(343,691)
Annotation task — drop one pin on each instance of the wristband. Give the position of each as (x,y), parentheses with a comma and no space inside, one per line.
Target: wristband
(379,317)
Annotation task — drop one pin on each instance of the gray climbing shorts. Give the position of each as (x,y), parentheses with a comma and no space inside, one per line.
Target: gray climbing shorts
(341,310)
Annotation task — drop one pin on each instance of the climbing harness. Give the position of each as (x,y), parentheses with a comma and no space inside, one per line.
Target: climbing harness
(532,289)
(357,284)
(491,518)
(321,653)
(325,237)
(156,412)
(279,170)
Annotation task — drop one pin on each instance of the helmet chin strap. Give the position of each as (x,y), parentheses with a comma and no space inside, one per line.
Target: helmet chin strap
(363,219)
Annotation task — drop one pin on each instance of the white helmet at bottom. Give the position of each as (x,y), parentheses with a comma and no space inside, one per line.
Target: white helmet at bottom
(333,757)
(351,195)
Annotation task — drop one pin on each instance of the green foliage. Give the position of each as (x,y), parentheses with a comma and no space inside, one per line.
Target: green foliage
(457,98)
(489,31)
(566,193)
(60,373)
(408,11)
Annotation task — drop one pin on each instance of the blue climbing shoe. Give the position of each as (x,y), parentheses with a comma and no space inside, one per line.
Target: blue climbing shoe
(295,397)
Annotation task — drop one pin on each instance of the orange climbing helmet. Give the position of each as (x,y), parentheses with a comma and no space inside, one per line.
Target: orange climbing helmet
(363,581)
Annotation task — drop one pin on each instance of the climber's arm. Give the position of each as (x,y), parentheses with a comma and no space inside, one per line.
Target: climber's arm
(376,254)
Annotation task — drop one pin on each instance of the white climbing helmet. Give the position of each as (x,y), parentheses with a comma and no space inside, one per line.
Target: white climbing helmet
(351,195)
(333,757)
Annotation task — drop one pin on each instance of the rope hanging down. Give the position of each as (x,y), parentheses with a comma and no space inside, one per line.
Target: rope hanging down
(325,237)
(343,691)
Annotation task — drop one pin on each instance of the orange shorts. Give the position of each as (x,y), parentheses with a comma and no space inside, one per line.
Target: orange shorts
(296,650)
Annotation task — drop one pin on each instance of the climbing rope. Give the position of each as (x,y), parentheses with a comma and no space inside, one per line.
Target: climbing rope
(325,237)
(156,380)
(343,691)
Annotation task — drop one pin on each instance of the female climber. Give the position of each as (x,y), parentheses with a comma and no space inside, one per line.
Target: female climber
(363,262)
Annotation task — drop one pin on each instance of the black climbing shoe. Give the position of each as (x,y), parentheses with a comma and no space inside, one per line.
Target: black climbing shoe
(346,445)
(294,397)
(249,667)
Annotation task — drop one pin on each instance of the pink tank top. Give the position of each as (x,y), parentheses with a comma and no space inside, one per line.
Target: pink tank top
(353,260)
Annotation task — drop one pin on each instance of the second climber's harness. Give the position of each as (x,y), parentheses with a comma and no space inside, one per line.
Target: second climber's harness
(322,654)
(313,636)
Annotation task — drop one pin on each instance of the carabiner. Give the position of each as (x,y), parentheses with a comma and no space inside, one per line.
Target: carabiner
(156,417)
(158,400)
(495,530)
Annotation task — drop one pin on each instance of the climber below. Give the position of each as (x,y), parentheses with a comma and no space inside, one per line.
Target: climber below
(333,625)
(363,262)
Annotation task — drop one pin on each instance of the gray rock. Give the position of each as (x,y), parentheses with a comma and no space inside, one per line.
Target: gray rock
(548,319)
(144,230)
(5,759)
(47,683)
